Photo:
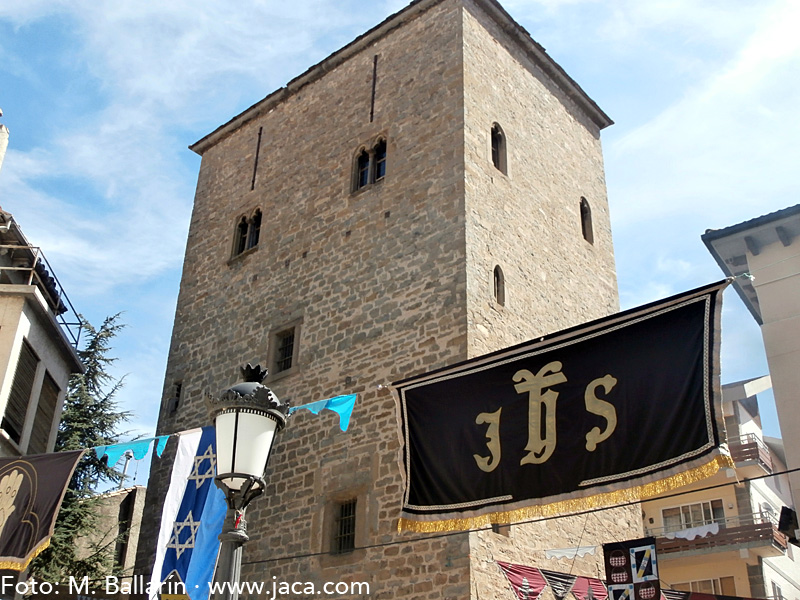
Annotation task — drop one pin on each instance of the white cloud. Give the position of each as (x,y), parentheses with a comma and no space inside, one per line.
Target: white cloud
(23,12)
(157,69)
(700,155)
(704,93)
(124,87)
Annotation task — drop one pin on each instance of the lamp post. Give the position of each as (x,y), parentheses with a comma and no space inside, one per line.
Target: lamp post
(246,416)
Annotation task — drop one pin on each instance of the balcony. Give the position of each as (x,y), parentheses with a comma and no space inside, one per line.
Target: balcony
(750,455)
(757,532)
(26,265)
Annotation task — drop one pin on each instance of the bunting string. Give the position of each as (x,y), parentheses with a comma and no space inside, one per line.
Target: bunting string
(138,448)
(341,405)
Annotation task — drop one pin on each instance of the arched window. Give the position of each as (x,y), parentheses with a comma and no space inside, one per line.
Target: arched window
(499,286)
(370,165)
(380,160)
(586,221)
(498,148)
(240,245)
(255,230)
(247,233)
(362,170)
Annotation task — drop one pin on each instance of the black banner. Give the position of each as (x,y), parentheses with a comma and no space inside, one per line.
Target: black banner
(31,490)
(620,408)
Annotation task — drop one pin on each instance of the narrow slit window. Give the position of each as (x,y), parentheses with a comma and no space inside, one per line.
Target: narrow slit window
(586,221)
(174,402)
(344,536)
(499,286)
(255,161)
(498,148)
(374,86)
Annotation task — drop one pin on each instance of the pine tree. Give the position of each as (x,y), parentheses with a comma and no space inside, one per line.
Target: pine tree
(90,418)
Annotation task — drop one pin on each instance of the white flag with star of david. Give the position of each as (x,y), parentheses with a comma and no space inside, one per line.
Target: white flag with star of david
(192,517)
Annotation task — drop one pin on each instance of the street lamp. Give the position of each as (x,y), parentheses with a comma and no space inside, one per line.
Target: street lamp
(246,416)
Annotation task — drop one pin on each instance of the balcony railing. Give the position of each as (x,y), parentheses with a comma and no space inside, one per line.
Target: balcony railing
(27,265)
(757,530)
(750,448)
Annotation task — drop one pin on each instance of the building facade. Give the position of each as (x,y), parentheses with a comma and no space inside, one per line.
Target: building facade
(119,521)
(431,192)
(38,335)
(766,249)
(723,538)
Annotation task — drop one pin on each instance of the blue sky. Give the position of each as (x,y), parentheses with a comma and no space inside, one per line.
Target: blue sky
(102,100)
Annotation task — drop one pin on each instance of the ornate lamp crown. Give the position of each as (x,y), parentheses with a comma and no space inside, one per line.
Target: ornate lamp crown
(250,395)
(253,374)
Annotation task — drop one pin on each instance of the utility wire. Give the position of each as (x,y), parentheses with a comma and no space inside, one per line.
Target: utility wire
(537,520)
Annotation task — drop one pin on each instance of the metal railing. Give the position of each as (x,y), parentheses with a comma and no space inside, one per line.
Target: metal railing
(758,528)
(27,265)
(750,448)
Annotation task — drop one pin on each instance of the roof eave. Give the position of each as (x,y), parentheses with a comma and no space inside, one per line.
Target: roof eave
(708,239)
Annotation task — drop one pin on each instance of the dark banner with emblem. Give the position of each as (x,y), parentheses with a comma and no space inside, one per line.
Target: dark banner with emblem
(31,490)
(632,570)
(618,409)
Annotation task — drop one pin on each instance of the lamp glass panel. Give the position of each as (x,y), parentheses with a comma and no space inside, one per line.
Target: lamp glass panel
(254,439)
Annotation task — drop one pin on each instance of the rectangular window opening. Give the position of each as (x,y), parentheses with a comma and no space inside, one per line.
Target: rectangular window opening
(344,538)
(285,351)
(693,515)
(717,586)
(777,593)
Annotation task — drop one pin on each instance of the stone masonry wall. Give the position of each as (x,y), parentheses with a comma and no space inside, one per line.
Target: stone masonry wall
(528,222)
(385,283)
(377,280)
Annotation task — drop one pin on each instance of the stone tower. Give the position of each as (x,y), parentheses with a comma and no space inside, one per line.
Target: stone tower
(431,192)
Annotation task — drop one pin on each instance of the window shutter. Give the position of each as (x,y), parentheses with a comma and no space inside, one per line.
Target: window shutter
(21,388)
(45,411)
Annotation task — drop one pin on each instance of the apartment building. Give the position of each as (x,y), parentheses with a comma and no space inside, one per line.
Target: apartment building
(720,535)
(39,333)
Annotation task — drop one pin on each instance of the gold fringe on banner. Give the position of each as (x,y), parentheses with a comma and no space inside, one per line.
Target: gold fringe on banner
(602,500)
(22,563)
